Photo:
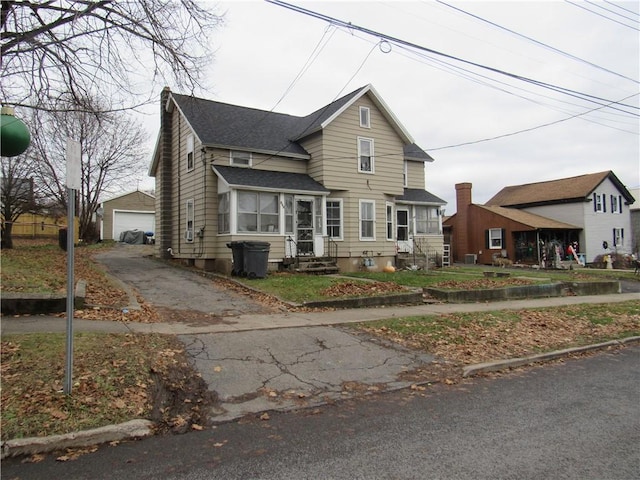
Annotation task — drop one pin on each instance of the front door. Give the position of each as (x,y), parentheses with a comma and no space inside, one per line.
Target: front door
(402,233)
(304,226)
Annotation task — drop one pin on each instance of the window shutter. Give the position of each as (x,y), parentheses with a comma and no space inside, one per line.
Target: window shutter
(595,203)
(604,203)
(486,239)
(620,203)
(614,237)
(612,200)
(622,235)
(503,233)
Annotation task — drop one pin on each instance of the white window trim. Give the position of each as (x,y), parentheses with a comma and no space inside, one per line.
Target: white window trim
(190,151)
(405,173)
(366,239)
(499,230)
(339,201)
(368,110)
(372,157)
(599,199)
(231,162)
(190,215)
(390,219)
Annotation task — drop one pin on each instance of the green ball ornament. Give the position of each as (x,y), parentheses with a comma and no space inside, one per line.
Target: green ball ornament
(14,134)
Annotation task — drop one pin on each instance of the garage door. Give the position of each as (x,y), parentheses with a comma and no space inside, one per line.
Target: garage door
(122,221)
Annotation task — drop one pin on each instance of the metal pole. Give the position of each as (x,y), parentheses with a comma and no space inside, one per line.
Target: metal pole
(68,379)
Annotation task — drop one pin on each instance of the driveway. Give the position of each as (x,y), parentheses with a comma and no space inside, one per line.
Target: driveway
(263,368)
(178,294)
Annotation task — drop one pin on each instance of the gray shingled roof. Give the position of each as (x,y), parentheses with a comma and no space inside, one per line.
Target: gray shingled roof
(284,181)
(232,126)
(244,128)
(415,195)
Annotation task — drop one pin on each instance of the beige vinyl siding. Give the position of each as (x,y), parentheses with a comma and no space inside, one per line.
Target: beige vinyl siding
(260,161)
(415,175)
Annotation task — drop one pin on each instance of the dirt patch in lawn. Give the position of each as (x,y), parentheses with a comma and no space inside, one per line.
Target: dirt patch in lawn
(360,289)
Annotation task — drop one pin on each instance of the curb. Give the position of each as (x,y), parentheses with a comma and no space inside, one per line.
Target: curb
(29,446)
(498,365)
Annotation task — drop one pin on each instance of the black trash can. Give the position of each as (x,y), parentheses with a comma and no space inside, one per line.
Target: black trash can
(62,238)
(237,250)
(256,259)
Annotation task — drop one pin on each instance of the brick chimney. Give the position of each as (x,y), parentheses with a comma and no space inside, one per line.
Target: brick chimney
(461,227)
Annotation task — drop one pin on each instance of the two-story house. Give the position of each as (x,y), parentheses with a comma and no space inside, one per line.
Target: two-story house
(348,176)
(597,203)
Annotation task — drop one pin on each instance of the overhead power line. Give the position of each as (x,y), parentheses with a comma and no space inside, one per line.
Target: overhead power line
(600,15)
(535,41)
(566,91)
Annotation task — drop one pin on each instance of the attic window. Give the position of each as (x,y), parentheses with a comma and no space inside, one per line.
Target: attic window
(240,159)
(365,120)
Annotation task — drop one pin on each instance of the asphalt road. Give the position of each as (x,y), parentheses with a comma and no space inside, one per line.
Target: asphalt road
(579,419)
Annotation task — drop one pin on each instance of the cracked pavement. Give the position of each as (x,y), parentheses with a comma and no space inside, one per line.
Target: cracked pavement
(292,368)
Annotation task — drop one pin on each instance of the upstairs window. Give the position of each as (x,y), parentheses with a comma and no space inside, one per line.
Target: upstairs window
(616,204)
(365,117)
(240,159)
(365,155)
(190,159)
(599,204)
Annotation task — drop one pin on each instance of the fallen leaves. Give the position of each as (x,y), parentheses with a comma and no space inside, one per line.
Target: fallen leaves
(361,289)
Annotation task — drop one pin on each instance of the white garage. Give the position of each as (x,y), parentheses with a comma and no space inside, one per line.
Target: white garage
(126,220)
(131,211)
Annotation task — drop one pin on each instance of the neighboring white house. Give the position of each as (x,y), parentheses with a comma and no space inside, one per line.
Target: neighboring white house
(130,211)
(599,203)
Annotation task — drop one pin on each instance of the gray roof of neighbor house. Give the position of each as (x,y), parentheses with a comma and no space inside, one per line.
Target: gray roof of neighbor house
(564,190)
(243,128)
(415,195)
(268,179)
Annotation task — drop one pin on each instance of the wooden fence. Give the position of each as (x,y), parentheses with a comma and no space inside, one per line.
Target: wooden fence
(39,226)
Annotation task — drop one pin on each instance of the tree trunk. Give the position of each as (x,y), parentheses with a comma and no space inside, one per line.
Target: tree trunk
(7,238)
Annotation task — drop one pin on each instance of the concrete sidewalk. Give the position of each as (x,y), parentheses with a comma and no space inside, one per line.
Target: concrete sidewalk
(248,322)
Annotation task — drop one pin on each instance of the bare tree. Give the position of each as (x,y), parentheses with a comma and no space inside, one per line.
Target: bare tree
(50,49)
(112,148)
(17,193)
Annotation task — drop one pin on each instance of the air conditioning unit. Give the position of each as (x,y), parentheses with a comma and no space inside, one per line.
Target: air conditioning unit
(188,235)
(470,259)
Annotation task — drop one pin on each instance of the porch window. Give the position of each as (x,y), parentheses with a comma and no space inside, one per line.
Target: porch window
(365,119)
(258,212)
(365,155)
(427,221)
(334,219)
(240,159)
(223,213)
(389,221)
(288,214)
(190,160)
(494,238)
(189,216)
(367,219)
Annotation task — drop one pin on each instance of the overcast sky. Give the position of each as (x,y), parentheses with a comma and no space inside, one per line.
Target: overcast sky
(270,57)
